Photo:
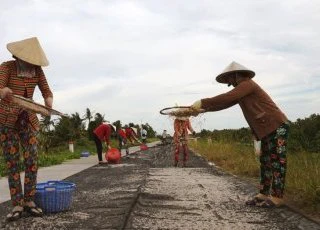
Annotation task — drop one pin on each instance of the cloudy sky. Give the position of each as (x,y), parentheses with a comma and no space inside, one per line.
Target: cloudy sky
(129,59)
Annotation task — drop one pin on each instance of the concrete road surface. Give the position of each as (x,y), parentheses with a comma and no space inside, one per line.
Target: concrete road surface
(146,192)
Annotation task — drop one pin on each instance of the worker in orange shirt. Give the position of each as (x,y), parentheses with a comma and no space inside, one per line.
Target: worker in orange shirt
(181,127)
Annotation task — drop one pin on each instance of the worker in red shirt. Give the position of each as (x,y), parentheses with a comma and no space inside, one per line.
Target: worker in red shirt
(131,133)
(123,141)
(102,134)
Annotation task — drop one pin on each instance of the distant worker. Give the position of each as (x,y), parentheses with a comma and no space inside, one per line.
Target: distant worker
(181,127)
(131,133)
(122,138)
(164,137)
(102,134)
(144,134)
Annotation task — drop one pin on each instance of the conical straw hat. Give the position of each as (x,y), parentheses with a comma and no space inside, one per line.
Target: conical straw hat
(134,130)
(233,68)
(114,127)
(29,50)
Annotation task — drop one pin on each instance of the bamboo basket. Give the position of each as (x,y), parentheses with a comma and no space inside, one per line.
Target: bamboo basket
(179,111)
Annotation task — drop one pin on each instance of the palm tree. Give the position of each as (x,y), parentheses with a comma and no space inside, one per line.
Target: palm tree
(88,116)
(45,133)
(98,119)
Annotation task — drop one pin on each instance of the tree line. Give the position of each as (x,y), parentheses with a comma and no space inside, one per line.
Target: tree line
(304,134)
(57,132)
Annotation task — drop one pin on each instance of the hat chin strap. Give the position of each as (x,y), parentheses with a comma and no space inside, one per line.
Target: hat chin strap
(234,78)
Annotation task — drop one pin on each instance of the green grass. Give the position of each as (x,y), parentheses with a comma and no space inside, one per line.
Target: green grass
(303,170)
(236,158)
(153,139)
(303,179)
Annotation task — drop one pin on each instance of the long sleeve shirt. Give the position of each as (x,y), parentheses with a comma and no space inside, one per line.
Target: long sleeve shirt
(103,132)
(130,133)
(261,113)
(22,86)
(122,133)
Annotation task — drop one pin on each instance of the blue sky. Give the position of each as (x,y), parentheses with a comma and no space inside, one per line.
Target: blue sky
(129,59)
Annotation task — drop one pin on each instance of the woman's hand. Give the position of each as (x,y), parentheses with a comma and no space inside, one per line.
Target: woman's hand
(48,102)
(6,93)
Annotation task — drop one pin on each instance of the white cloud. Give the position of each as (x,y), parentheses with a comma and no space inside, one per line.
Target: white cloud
(129,59)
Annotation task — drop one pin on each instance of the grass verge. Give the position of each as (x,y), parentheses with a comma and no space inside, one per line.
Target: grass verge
(303,171)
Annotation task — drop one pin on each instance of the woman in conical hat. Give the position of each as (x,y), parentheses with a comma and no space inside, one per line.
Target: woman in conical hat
(181,127)
(132,134)
(267,122)
(20,127)
(122,138)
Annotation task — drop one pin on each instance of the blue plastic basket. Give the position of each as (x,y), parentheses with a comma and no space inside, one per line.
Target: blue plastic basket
(85,154)
(54,196)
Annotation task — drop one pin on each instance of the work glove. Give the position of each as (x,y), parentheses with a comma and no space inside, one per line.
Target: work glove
(196,105)
(196,108)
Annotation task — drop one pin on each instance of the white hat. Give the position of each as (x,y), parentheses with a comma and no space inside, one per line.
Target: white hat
(233,68)
(29,50)
(114,127)
(134,130)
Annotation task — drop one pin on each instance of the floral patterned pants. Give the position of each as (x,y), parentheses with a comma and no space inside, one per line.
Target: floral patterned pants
(184,148)
(273,161)
(10,140)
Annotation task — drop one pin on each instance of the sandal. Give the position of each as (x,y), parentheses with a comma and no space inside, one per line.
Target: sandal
(254,202)
(33,211)
(272,202)
(14,215)
(266,204)
(257,199)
